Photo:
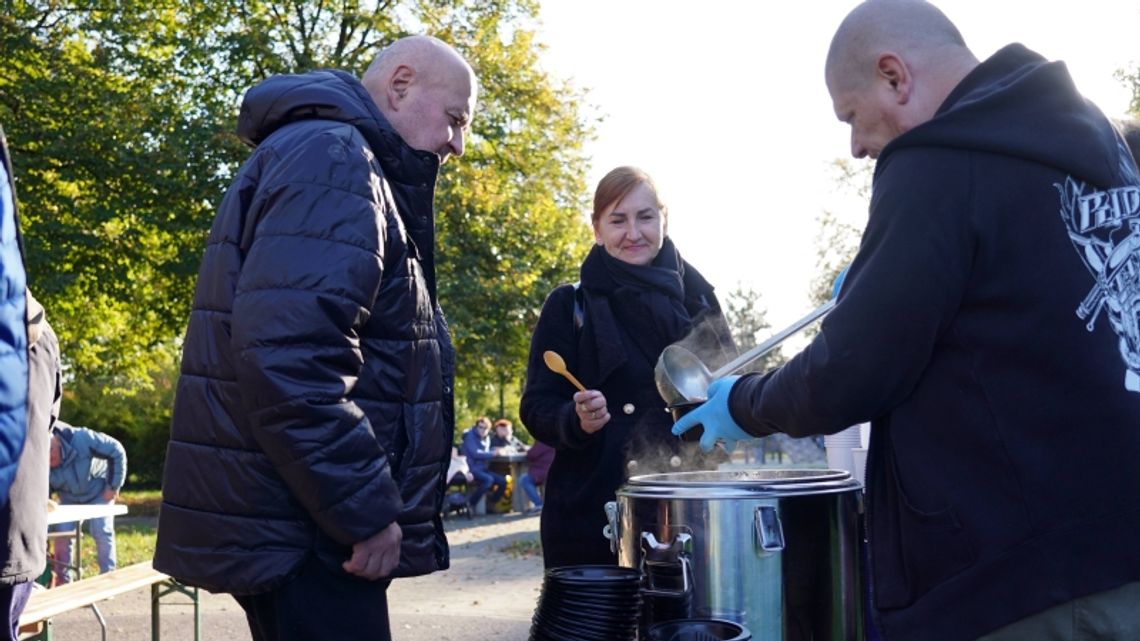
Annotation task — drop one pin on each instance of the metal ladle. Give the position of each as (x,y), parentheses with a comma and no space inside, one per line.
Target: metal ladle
(681,377)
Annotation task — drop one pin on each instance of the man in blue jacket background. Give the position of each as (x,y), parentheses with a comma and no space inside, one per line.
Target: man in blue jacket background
(87,467)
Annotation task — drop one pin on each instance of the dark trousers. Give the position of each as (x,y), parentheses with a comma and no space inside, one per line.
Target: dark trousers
(1111,615)
(13,598)
(483,481)
(318,604)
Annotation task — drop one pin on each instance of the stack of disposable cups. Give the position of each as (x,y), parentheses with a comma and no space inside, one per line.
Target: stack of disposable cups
(839,447)
(859,454)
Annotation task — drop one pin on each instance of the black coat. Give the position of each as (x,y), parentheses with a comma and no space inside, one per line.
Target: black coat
(315,404)
(589,468)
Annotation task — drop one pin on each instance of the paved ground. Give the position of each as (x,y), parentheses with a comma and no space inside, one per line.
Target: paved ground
(489,593)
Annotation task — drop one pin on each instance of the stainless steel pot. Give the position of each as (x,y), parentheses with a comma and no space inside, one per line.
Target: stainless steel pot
(776,550)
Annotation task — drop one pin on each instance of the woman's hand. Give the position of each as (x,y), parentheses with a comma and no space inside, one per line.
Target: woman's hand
(591,408)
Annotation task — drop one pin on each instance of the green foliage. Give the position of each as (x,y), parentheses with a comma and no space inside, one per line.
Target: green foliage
(522,548)
(141,503)
(118,161)
(511,226)
(1131,78)
(836,242)
(121,116)
(139,419)
(134,543)
(747,319)
(134,534)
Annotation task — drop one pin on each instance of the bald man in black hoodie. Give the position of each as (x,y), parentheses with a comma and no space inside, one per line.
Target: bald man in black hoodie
(988,329)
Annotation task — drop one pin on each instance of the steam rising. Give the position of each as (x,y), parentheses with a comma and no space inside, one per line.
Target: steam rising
(710,340)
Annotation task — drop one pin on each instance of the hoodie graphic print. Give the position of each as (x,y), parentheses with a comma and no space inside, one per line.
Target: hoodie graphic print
(1104,226)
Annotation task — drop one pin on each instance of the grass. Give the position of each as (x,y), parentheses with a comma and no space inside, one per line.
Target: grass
(134,543)
(134,536)
(523,548)
(142,502)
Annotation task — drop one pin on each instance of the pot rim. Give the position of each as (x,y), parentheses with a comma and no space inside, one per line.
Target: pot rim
(740,483)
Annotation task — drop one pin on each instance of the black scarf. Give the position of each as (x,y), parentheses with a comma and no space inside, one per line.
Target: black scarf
(655,304)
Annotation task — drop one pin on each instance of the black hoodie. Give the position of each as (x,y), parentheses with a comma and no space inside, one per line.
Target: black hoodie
(988,328)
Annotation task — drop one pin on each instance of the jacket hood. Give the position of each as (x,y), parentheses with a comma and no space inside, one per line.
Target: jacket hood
(1018,104)
(331,94)
(35,318)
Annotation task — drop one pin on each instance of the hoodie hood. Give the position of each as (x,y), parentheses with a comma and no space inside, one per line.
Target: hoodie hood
(1018,104)
(331,94)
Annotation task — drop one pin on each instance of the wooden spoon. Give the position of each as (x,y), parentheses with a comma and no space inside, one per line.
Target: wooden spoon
(558,366)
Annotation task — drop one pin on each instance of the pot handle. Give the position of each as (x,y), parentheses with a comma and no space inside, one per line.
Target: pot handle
(675,551)
(610,531)
(769,531)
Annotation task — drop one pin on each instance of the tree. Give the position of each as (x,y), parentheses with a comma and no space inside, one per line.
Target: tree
(747,319)
(837,241)
(511,226)
(1131,78)
(138,421)
(119,158)
(121,119)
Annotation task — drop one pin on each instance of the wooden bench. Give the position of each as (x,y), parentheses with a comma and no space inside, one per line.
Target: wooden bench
(45,604)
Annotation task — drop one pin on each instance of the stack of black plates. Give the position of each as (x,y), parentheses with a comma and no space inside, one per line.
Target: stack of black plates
(588,603)
(664,595)
(698,630)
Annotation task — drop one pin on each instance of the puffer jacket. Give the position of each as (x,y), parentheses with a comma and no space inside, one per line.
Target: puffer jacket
(13,333)
(314,406)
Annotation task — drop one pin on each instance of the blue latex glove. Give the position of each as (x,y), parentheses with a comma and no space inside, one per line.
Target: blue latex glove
(713,414)
(838,284)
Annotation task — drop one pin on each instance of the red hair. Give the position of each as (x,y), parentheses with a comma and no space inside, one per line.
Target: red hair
(617,184)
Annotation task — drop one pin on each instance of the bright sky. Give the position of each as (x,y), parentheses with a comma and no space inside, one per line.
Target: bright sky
(723,102)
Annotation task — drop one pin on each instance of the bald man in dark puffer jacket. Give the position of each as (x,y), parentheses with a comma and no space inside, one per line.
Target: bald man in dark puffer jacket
(313,419)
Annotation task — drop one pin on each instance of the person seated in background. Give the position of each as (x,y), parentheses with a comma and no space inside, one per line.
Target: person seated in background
(458,471)
(476,446)
(504,437)
(457,481)
(539,456)
(87,467)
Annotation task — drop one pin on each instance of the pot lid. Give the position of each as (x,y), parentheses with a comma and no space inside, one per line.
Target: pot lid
(747,481)
(761,476)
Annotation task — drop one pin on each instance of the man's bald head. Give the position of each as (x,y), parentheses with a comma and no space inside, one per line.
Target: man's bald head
(427,92)
(424,52)
(914,29)
(891,65)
